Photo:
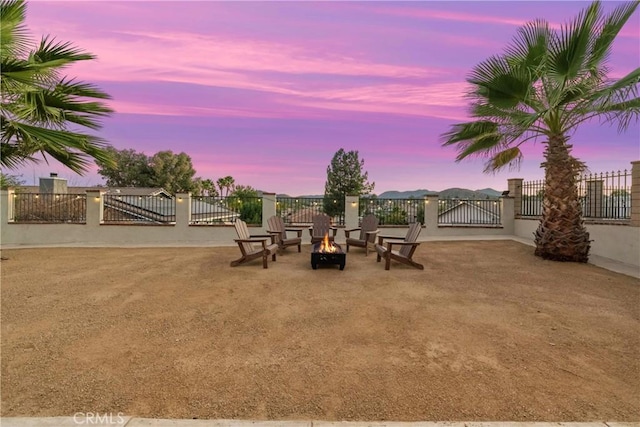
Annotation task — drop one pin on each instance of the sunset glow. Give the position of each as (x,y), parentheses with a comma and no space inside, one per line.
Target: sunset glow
(267,92)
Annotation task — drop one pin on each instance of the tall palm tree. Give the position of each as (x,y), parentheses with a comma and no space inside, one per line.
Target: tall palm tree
(226,185)
(544,85)
(41,110)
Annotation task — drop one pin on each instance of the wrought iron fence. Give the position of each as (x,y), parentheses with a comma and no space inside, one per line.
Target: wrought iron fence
(393,211)
(225,210)
(469,212)
(532,195)
(301,210)
(136,209)
(602,195)
(50,208)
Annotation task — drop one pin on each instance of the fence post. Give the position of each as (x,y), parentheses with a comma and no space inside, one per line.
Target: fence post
(351,211)
(431,213)
(95,208)
(635,193)
(183,209)
(268,208)
(515,191)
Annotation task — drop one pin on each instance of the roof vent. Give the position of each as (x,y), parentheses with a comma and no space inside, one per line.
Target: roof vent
(53,175)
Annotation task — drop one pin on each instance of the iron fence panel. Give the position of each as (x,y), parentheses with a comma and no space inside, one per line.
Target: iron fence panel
(469,212)
(225,210)
(134,209)
(301,210)
(50,208)
(602,196)
(393,211)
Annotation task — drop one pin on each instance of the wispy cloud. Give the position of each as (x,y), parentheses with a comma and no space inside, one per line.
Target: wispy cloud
(446,15)
(630,30)
(209,59)
(177,110)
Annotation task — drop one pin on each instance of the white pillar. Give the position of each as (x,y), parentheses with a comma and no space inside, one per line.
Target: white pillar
(268,208)
(431,214)
(508,214)
(351,212)
(95,208)
(6,206)
(183,209)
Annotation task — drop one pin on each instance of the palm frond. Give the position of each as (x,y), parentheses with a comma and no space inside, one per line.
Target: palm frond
(468,131)
(610,28)
(54,53)
(615,102)
(498,83)
(12,157)
(14,36)
(73,149)
(71,87)
(528,49)
(569,51)
(511,157)
(15,72)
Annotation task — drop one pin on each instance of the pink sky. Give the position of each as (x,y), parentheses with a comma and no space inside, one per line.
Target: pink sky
(267,92)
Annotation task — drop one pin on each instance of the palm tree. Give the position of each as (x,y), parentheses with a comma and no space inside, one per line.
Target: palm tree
(544,85)
(39,105)
(226,185)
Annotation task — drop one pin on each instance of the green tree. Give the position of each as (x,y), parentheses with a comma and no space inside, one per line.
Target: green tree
(173,172)
(39,104)
(345,177)
(544,85)
(395,216)
(129,169)
(245,200)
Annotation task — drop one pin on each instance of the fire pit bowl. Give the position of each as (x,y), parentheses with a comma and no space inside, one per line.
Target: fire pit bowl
(321,256)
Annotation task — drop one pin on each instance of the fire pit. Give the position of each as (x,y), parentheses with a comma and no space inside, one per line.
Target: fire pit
(327,253)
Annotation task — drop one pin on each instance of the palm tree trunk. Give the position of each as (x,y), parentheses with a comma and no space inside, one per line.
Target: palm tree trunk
(561,235)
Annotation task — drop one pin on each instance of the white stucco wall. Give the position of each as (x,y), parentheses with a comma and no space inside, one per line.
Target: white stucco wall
(617,242)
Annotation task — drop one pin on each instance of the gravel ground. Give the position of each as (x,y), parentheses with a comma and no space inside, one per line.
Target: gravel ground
(486,332)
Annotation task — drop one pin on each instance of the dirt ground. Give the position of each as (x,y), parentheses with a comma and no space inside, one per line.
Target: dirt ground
(486,332)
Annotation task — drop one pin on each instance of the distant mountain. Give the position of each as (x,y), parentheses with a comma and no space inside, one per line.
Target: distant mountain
(449,193)
(405,194)
(490,191)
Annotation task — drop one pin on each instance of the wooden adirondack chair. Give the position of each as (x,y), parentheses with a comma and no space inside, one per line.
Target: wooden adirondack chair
(321,227)
(253,247)
(407,245)
(367,237)
(277,228)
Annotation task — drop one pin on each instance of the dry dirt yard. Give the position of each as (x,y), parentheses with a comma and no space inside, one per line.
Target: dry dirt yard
(486,332)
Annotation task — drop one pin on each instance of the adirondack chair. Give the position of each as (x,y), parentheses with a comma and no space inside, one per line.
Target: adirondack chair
(367,237)
(321,227)
(407,245)
(253,247)
(277,228)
